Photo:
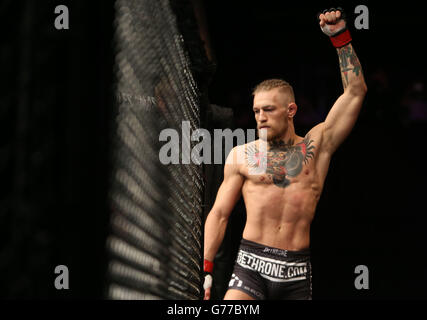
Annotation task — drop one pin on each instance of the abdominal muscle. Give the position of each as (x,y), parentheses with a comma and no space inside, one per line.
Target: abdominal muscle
(279,217)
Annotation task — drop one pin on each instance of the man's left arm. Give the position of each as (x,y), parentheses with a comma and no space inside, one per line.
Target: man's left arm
(344,113)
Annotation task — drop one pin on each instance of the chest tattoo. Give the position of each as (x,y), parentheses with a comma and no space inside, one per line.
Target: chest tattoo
(284,159)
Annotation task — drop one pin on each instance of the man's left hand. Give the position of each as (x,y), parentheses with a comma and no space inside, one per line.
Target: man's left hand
(331,22)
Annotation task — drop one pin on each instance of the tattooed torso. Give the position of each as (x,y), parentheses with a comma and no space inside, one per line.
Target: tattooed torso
(284,160)
(283,198)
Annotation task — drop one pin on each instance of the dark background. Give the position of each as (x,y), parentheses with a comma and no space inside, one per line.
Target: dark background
(56,120)
(56,110)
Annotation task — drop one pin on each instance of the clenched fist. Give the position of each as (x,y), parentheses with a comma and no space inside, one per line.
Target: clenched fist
(332,22)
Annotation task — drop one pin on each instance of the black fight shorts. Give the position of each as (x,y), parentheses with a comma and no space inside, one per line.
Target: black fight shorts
(270,273)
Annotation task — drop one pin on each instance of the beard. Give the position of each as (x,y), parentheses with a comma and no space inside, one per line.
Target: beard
(268,135)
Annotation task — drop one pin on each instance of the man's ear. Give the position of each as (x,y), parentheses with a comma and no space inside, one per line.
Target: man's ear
(292,109)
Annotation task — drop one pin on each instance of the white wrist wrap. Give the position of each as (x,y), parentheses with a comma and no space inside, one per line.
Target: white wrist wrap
(208,282)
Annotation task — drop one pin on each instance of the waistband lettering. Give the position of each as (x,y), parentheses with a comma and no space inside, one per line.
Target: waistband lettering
(272,269)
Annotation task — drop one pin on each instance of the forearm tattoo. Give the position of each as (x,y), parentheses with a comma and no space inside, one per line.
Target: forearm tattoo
(348,63)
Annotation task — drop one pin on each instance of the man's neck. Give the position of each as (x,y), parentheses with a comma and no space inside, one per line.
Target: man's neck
(285,141)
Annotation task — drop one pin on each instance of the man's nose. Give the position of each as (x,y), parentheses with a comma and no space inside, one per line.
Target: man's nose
(262,116)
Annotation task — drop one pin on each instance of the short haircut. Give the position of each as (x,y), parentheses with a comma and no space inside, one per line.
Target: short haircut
(270,84)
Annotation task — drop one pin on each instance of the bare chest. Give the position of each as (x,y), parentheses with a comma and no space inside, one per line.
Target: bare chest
(283,164)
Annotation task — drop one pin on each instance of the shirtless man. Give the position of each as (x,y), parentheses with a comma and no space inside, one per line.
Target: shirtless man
(273,261)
